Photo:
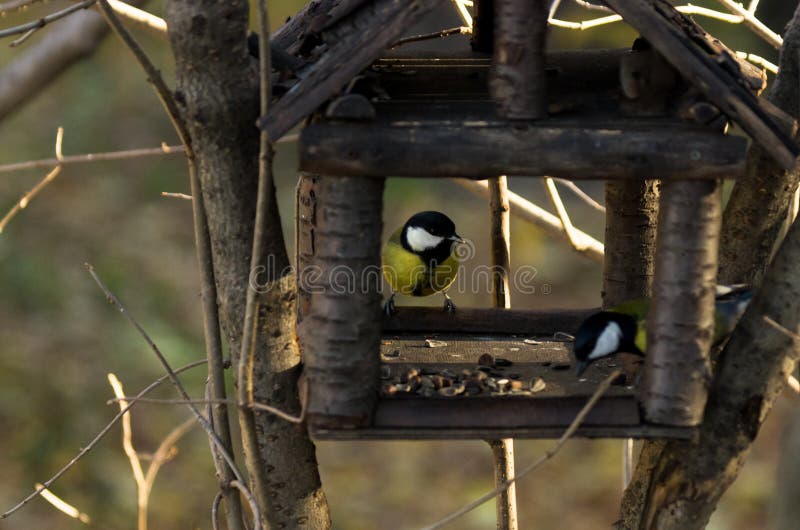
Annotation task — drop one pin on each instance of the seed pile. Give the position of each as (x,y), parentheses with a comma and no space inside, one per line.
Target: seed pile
(489,377)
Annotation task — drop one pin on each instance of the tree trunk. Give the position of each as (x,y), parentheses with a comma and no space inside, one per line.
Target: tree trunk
(677,484)
(758,206)
(218,92)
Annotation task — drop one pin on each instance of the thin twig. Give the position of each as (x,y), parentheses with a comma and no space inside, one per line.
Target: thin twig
(140,17)
(251,501)
(93,157)
(62,505)
(749,18)
(593,7)
(255,405)
(144,482)
(601,389)
(23,202)
(574,188)
(22,38)
(111,155)
(561,210)
(36,24)
(461,6)
(260,234)
(219,433)
(760,61)
(525,209)
(176,195)
(16,4)
(460,30)
(99,436)
(215,511)
(173,378)
(153,76)
(687,9)
(28,197)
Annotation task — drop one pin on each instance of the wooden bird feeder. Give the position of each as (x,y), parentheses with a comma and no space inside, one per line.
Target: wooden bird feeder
(656,111)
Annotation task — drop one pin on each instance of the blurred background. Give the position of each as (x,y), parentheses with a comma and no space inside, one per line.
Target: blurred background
(59,338)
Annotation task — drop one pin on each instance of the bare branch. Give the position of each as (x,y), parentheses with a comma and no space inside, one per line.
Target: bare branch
(461,6)
(23,202)
(251,501)
(176,195)
(94,441)
(110,156)
(61,505)
(561,210)
(255,405)
(749,18)
(601,389)
(574,188)
(593,249)
(15,4)
(140,17)
(461,30)
(36,24)
(170,372)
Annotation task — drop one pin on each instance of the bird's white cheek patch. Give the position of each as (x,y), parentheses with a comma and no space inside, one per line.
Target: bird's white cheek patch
(607,342)
(421,240)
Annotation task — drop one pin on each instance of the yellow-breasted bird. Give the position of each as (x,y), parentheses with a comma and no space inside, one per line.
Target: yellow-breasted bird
(622,328)
(418,258)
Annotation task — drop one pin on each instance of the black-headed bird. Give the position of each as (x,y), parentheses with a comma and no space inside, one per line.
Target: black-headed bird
(622,328)
(419,260)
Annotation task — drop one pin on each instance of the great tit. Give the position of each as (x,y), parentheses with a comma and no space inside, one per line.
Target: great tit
(622,328)
(419,259)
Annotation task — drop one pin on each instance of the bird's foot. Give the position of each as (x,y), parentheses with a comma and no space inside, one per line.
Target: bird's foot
(449,306)
(388,308)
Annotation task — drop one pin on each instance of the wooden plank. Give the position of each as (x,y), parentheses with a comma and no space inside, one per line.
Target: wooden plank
(486,320)
(712,68)
(376,434)
(352,45)
(480,150)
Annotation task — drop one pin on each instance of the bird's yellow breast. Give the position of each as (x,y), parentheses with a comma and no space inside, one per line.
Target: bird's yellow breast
(408,274)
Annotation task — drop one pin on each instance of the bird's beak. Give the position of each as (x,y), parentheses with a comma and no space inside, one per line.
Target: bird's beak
(580,367)
(457,238)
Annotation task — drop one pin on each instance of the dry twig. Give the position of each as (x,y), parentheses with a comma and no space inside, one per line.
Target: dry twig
(61,505)
(52,17)
(94,441)
(170,372)
(144,482)
(601,389)
(460,30)
(593,249)
(28,197)
(561,210)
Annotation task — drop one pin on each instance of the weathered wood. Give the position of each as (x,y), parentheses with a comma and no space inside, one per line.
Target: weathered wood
(340,329)
(630,242)
(352,45)
(481,320)
(500,226)
(680,325)
(506,502)
(483,150)
(518,82)
(484,433)
(712,68)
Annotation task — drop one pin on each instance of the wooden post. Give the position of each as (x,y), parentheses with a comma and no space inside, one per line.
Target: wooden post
(518,80)
(680,324)
(339,241)
(502,450)
(630,241)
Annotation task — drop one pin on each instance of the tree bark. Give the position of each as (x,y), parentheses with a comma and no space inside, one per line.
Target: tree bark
(218,93)
(750,218)
(630,243)
(680,324)
(758,206)
(687,478)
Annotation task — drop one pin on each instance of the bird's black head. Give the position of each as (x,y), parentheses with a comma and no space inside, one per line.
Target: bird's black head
(430,235)
(603,334)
